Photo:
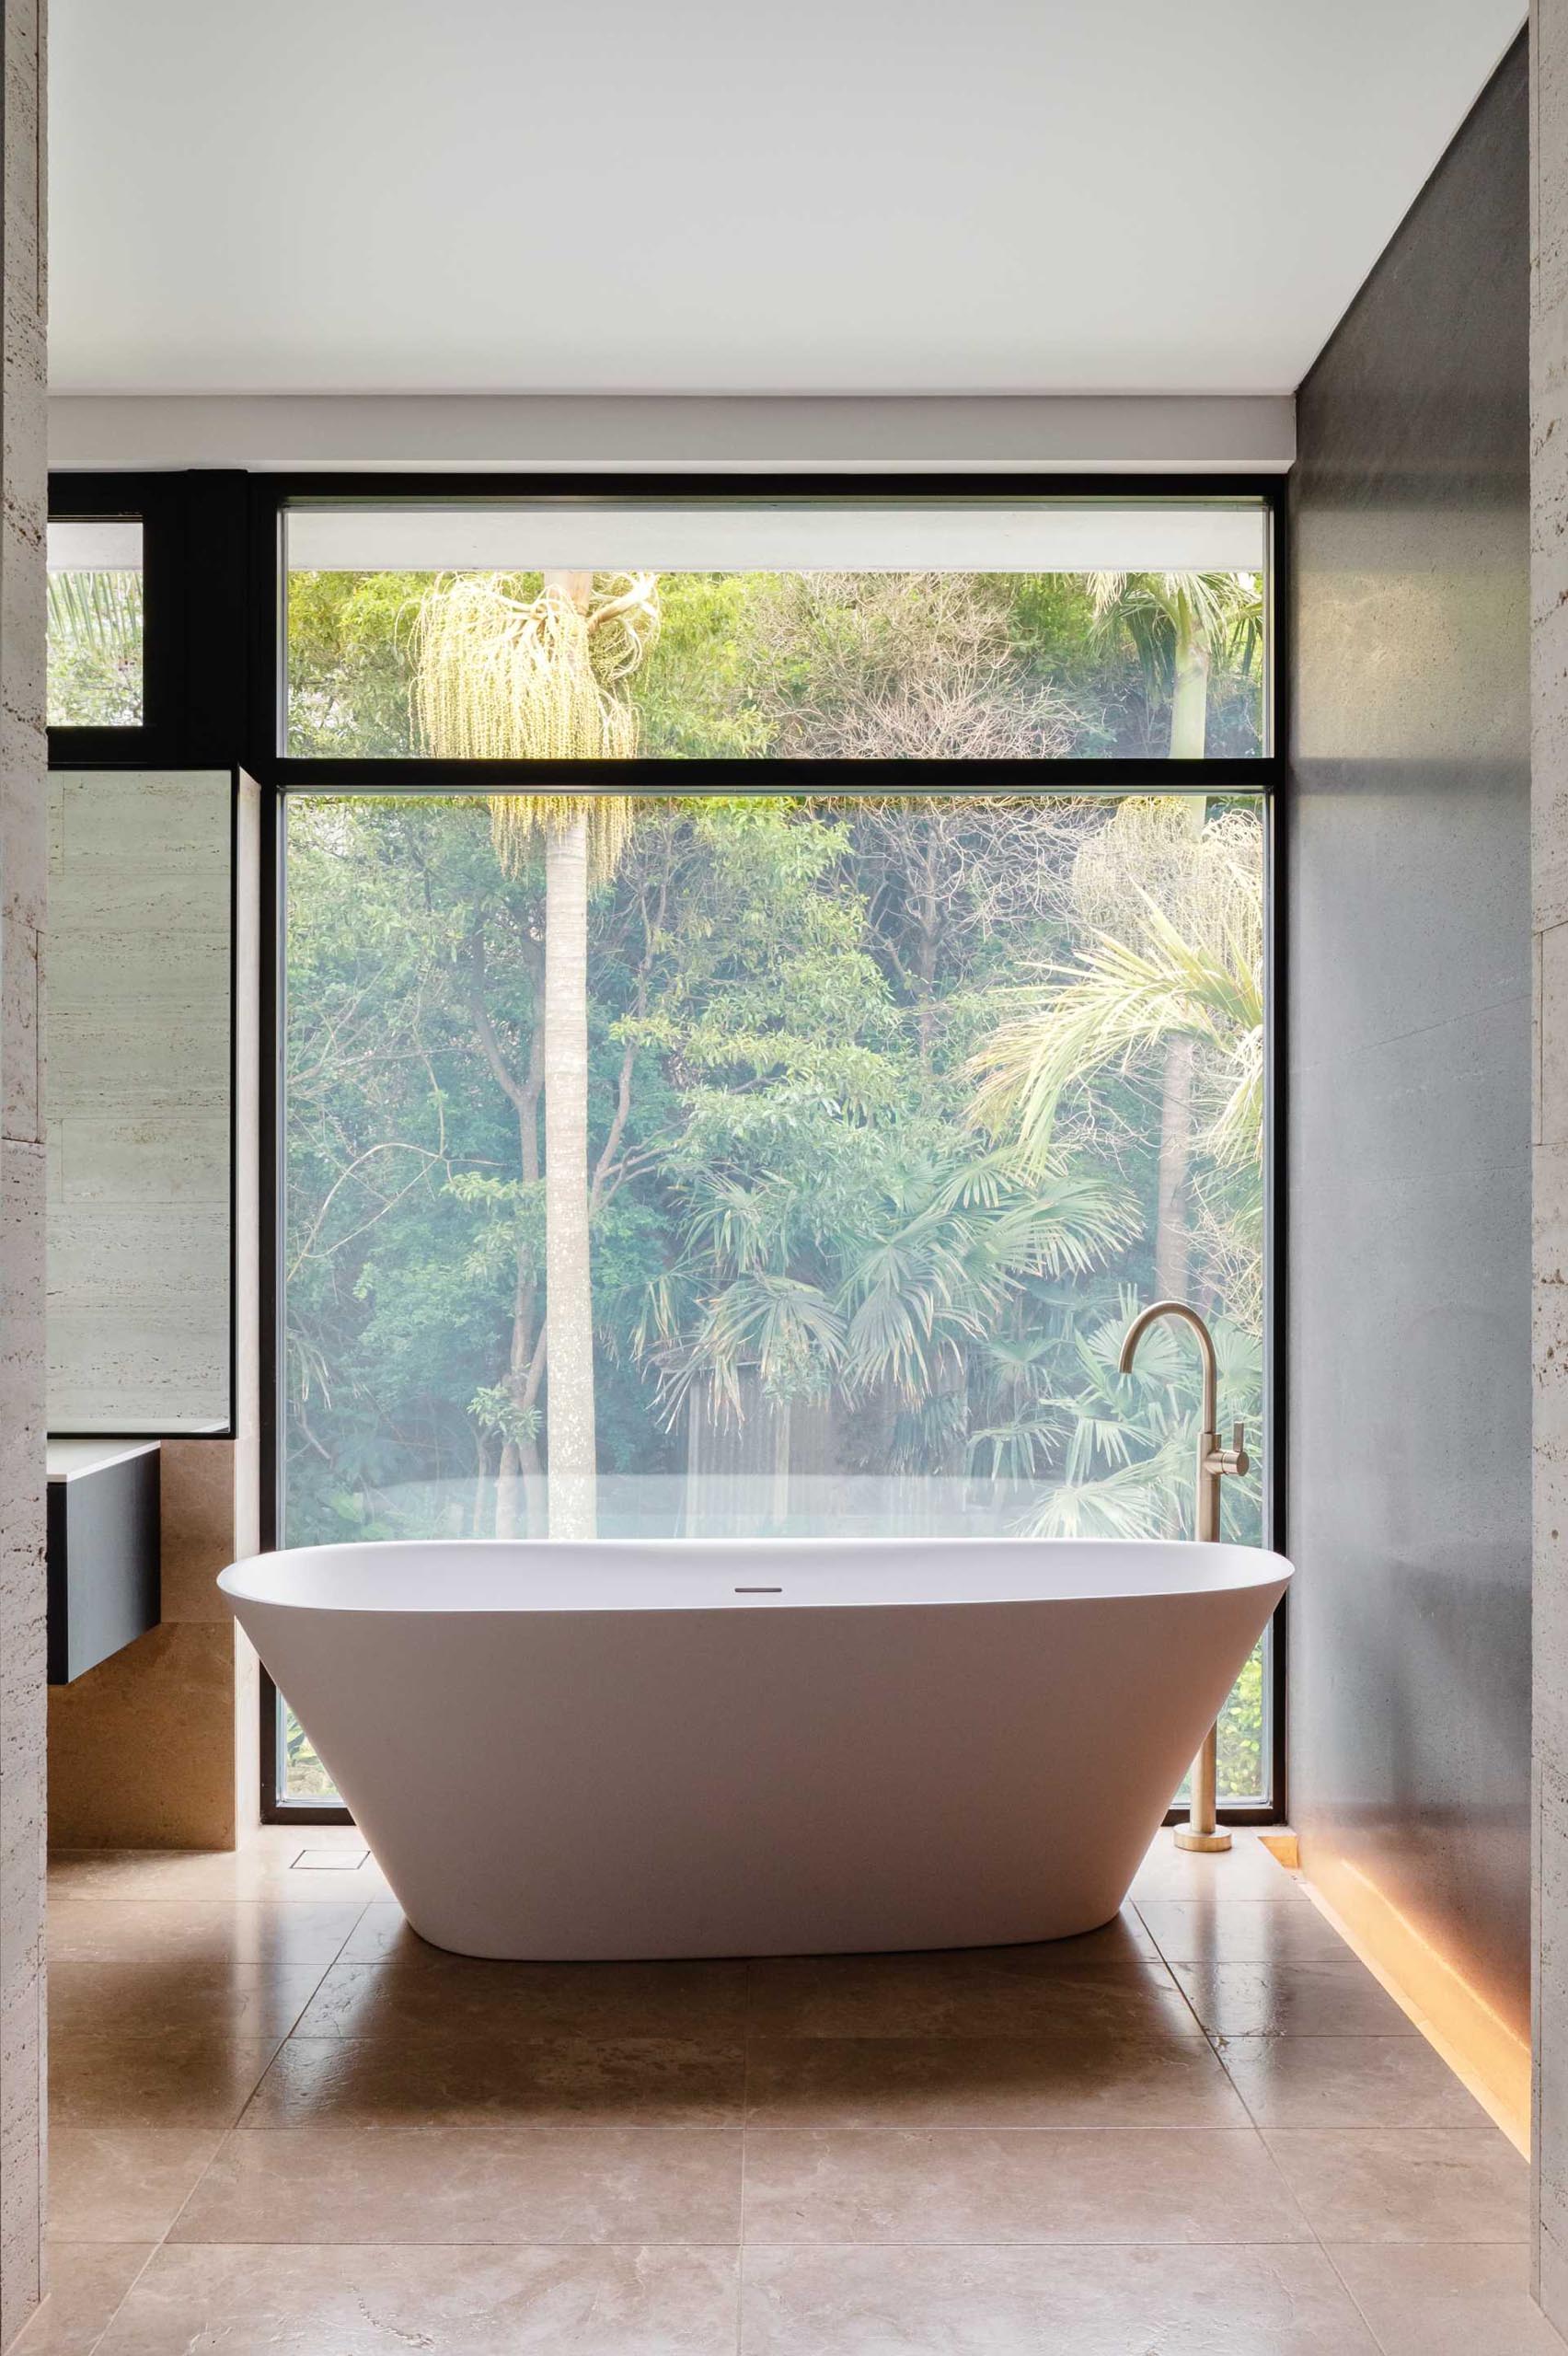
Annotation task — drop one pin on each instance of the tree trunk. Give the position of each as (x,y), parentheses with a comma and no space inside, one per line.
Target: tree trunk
(1189,698)
(926,966)
(524,1376)
(569,1300)
(1175,1151)
(519,1472)
(1171,1218)
(782,1420)
(509,1472)
(1171,1238)
(480,1517)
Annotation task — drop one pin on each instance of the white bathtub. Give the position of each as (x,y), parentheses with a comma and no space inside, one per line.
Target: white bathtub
(698,1748)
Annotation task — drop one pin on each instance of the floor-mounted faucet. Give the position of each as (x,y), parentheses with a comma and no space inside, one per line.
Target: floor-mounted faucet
(1200,1832)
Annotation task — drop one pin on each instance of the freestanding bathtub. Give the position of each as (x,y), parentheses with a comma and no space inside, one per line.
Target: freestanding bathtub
(635,1747)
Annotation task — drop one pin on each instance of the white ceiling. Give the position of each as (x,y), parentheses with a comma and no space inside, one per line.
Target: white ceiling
(668,196)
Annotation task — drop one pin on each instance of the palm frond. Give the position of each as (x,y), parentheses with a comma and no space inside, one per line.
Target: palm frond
(1222,610)
(781,1326)
(98,613)
(1132,1502)
(95,639)
(1121,1001)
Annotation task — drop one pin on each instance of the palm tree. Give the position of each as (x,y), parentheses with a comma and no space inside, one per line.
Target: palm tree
(1124,1464)
(502,675)
(891,1306)
(1182,965)
(1179,623)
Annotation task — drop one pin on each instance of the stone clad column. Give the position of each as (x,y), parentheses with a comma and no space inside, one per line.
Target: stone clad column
(23,501)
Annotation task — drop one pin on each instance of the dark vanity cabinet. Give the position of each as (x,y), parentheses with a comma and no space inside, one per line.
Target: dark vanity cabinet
(104,1584)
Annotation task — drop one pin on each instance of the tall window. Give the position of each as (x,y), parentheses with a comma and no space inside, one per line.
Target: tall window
(787,631)
(897,1109)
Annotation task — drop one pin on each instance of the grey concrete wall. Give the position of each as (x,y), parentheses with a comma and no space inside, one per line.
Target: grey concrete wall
(22,889)
(1409,1069)
(139,1093)
(1548,880)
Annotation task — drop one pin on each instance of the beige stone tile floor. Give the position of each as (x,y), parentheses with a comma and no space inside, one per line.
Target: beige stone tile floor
(280,2121)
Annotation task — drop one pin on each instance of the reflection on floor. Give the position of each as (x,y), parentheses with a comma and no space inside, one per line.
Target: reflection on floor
(280,2121)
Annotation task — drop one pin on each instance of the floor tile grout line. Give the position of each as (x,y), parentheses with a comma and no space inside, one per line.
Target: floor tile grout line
(1293,2198)
(568,2124)
(1157,2037)
(1268,2241)
(1348,2287)
(1187,2000)
(111,2320)
(1234,2089)
(201,2175)
(347,1935)
(1307,2240)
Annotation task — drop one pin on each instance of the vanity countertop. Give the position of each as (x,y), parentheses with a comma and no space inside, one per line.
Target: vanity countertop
(67,1460)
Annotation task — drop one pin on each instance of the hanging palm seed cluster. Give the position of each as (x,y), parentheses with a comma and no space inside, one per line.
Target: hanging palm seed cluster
(498,675)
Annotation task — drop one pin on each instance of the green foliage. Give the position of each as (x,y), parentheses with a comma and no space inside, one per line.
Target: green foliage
(754,665)
(795,1216)
(693,693)
(801,1241)
(494,1410)
(351,661)
(1052,625)
(95,650)
(1243,1728)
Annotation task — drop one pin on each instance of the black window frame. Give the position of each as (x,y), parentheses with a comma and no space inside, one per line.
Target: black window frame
(143,500)
(216,695)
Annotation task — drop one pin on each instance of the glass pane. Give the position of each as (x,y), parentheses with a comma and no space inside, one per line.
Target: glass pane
(897,1110)
(959,630)
(140,888)
(95,623)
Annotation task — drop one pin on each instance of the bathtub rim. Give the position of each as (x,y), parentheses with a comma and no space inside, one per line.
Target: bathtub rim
(253,1578)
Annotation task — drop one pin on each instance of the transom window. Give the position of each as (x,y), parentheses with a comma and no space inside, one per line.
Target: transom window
(95,622)
(955,631)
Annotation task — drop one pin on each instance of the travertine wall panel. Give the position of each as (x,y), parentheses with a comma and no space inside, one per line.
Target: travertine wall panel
(142,1748)
(139,1101)
(22,890)
(156,1748)
(145,1750)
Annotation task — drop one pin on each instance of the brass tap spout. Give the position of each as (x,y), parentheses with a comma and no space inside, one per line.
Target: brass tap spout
(1214,1462)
